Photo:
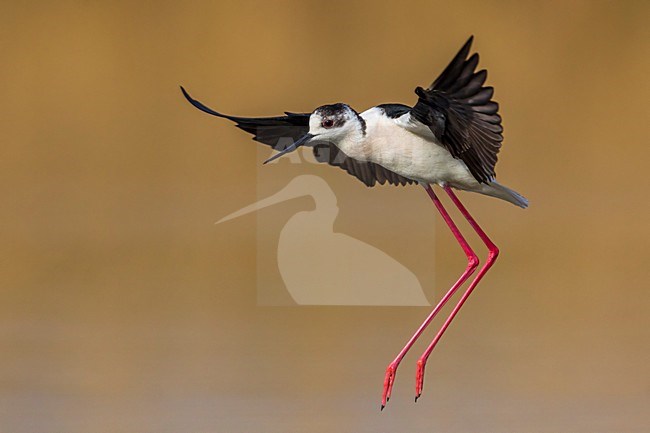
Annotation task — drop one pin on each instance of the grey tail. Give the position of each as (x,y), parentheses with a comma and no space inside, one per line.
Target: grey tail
(497,190)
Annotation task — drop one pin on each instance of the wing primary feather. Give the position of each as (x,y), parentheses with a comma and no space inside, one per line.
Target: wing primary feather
(483,96)
(466,74)
(449,74)
(460,112)
(202,107)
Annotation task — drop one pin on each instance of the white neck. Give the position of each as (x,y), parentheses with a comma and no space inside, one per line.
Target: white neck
(356,143)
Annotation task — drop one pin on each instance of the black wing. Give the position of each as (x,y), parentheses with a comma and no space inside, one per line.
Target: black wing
(267,130)
(367,172)
(394,110)
(460,112)
(270,130)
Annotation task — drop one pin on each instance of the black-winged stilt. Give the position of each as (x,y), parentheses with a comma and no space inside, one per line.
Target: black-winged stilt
(450,137)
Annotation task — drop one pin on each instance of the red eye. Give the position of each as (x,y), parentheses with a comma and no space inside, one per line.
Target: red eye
(327,123)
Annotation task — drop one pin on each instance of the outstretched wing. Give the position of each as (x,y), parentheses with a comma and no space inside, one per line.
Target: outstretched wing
(266,130)
(271,130)
(460,112)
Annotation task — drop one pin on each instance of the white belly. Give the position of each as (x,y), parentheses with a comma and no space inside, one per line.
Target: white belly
(413,155)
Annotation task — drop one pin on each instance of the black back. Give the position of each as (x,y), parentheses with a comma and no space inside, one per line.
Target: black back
(394,110)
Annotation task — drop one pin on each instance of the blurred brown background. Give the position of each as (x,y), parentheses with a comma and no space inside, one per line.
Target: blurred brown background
(123,308)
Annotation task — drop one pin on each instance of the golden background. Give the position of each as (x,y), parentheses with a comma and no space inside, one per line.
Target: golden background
(123,308)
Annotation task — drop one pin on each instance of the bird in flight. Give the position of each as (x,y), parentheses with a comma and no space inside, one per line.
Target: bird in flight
(451,138)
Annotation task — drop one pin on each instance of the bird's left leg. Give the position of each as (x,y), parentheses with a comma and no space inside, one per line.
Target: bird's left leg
(472,264)
(493,253)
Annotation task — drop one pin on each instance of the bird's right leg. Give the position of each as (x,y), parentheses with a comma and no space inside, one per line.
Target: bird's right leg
(472,264)
(493,253)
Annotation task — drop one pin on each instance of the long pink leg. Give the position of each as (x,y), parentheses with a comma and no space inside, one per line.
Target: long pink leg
(493,253)
(472,264)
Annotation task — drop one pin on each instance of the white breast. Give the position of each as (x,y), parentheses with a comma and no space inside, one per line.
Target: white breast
(407,148)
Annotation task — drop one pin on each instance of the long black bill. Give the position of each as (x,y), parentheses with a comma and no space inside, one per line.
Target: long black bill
(296,144)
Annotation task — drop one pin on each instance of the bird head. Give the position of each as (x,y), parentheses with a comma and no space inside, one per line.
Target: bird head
(334,122)
(328,124)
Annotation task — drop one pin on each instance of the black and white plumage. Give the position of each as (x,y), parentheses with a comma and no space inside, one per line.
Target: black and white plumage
(271,130)
(451,136)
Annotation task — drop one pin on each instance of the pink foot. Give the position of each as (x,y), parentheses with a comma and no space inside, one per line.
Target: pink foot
(419,378)
(388,383)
